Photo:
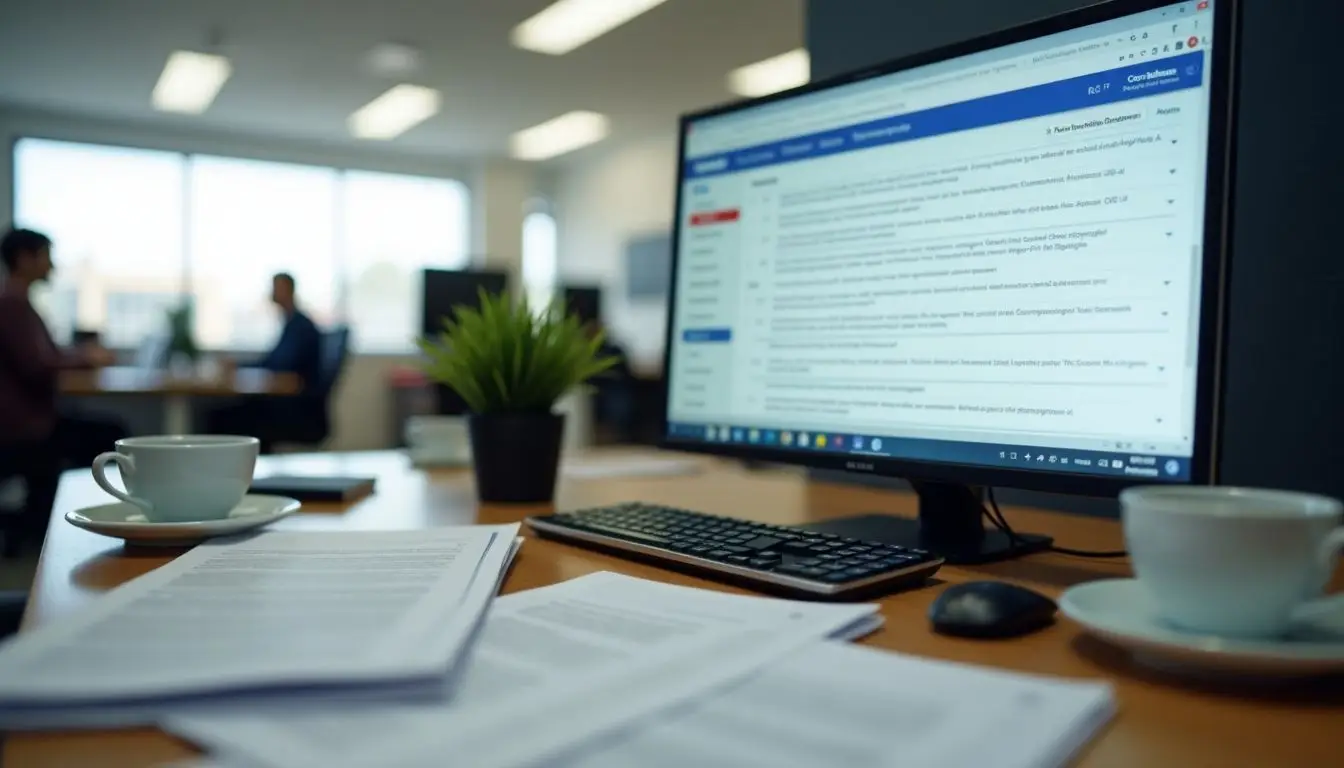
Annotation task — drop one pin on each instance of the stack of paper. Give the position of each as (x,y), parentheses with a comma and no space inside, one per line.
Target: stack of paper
(842,705)
(552,667)
(607,671)
(283,619)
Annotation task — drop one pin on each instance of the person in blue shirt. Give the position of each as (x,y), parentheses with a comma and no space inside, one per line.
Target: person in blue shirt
(297,351)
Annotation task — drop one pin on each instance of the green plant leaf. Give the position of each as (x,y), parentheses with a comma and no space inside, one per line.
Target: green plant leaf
(502,357)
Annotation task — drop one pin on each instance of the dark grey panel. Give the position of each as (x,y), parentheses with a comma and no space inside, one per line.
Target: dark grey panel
(648,266)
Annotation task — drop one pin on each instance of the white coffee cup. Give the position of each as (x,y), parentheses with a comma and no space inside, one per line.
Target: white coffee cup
(1233,562)
(181,478)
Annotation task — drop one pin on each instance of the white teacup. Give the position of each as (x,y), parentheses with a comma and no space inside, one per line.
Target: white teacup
(181,478)
(1234,562)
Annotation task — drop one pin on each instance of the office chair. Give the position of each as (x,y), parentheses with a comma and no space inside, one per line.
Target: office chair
(312,426)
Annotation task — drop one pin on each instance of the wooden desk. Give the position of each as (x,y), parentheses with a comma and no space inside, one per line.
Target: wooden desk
(1161,723)
(177,392)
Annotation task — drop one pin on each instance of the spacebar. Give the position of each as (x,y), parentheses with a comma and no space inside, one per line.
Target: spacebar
(625,534)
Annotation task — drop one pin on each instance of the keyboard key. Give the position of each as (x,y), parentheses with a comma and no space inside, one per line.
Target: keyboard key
(763,562)
(739,559)
(762,542)
(737,550)
(795,547)
(820,548)
(807,562)
(719,553)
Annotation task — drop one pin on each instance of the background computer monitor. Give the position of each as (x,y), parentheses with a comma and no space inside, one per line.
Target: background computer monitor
(443,291)
(996,263)
(584,301)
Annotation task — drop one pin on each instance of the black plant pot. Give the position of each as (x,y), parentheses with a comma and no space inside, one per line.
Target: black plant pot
(515,455)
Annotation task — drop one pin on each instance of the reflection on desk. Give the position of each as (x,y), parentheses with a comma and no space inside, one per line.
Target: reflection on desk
(1161,722)
(144,381)
(177,392)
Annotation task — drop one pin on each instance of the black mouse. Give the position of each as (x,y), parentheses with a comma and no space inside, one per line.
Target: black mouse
(990,609)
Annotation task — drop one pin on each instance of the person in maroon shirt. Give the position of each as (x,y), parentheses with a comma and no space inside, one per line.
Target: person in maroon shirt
(38,441)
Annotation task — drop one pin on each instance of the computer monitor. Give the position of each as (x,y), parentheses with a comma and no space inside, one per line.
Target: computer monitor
(998,263)
(584,301)
(444,290)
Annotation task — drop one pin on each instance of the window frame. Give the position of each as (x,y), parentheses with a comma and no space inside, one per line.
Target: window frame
(185,155)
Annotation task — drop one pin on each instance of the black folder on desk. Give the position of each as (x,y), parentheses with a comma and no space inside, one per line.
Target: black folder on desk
(314,488)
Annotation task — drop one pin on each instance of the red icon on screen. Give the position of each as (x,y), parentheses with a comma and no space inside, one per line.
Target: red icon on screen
(1203,5)
(1192,42)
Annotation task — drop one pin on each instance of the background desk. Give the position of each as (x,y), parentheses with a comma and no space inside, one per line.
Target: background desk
(177,393)
(1160,723)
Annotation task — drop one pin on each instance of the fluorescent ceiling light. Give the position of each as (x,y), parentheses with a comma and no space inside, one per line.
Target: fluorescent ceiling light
(557,136)
(395,112)
(777,73)
(190,81)
(567,24)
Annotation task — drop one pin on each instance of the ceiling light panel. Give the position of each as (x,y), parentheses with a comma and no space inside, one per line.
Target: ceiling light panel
(775,74)
(557,136)
(568,24)
(395,112)
(190,81)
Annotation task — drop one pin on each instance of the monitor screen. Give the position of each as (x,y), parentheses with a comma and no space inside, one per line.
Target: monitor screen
(991,261)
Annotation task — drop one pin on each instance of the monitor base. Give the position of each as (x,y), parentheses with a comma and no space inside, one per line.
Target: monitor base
(950,523)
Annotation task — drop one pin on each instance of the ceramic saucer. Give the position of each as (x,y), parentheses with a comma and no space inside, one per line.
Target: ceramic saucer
(126,521)
(1121,612)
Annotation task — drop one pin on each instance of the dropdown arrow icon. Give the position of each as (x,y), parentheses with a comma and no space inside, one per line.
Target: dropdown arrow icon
(1173,141)
(1161,368)
(1164,314)
(1173,170)
(1166,282)
(1168,234)
(1159,421)
(1170,201)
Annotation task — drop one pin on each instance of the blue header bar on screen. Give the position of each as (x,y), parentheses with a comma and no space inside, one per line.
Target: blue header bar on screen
(1097,89)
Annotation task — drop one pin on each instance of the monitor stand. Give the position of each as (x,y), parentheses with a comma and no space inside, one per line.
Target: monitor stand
(950,523)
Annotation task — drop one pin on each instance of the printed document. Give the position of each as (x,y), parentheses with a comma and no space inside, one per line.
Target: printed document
(838,705)
(551,666)
(276,613)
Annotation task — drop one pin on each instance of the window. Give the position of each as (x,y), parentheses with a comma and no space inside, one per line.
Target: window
(539,258)
(136,230)
(116,217)
(395,226)
(250,220)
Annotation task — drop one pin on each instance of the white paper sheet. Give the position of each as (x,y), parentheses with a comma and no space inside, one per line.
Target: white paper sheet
(276,615)
(840,705)
(551,665)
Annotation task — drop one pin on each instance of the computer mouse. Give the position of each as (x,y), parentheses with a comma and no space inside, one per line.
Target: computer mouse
(990,609)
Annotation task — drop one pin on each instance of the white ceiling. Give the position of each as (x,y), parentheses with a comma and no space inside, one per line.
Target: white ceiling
(299,69)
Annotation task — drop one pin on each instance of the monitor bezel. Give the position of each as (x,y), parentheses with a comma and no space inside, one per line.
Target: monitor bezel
(1219,174)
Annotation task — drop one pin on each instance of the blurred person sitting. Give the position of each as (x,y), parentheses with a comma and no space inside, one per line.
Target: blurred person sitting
(298,351)
(38,441)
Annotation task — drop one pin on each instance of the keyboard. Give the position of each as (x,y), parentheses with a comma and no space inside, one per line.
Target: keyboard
(772,558)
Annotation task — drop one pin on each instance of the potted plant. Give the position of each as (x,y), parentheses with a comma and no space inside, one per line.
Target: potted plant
(182,351)
(511,365)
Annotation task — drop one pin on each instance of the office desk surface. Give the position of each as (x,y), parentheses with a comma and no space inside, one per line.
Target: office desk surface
(1161,722)
(140,381)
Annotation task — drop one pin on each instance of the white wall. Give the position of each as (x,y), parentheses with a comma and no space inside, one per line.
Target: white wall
(499,192)
(603,201)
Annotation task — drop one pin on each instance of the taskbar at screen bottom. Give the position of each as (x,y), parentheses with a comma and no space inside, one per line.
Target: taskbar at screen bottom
(1118,463)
